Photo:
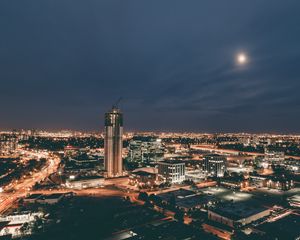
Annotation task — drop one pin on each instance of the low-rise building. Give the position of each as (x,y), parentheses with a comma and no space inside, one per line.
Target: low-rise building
(280,182)
(32,198)
(292,165)
(167,197)
(15,221)
(71,151)
(274,156)
(51,198)
(237,215)
(143,179)
(294,201)
(195,175)
(21,217)
(46,198)
(82,164)
(237,182)
(173,171)
(85,182)
(187,200)
(4,235)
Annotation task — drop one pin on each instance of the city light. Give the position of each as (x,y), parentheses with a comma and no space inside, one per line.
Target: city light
(205,145)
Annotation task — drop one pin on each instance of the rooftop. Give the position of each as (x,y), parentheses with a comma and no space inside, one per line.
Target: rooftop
(34,196)
(146,169)
(237,211)
(171,162)
(213,155)
(3,224)
(169,229)
(53,196)
(84,157)
(194,201)
(181,193)
(284,228)
(295,198)
(79,178)
(143,173)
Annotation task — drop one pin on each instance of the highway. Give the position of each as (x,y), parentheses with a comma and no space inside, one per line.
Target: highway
(20,188)
(213,148)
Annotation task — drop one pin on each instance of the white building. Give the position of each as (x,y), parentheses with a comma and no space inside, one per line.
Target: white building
(85,182)
(172,171)
(15,222)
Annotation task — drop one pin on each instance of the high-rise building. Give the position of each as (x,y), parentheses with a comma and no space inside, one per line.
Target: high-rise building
(113,143)
(214,165)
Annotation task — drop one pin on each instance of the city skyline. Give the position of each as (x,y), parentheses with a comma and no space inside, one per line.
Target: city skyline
(174,64)
(126,120)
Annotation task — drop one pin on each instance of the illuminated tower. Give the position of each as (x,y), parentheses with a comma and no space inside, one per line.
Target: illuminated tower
(113,143)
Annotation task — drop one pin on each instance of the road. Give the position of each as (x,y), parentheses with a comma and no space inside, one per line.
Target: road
(20,188)
(90,192)
(213,148)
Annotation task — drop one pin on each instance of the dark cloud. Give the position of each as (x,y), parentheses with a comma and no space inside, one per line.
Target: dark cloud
(63,63)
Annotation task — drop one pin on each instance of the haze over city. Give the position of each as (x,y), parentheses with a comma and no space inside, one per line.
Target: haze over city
(64,63)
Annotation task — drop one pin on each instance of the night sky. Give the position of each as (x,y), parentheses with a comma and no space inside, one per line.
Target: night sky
(63,63)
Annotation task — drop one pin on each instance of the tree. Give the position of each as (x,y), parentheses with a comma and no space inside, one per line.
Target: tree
(143,196)
(173,200)
(148,204)
(154,198)
(24,228)
(179,215)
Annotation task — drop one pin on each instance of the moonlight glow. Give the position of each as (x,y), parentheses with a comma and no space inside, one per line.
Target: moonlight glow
(241,58)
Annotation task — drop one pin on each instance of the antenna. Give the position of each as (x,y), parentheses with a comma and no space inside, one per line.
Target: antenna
(116,105)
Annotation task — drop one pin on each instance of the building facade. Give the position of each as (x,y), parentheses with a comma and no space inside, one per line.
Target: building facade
(143,179)
(279,182)
(237,215)
(274,156)
(173,171)
(8,143)
(113,143)
(150,150)
(85,182)
(214,165)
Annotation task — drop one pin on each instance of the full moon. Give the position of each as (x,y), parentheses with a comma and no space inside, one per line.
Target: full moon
(241,58)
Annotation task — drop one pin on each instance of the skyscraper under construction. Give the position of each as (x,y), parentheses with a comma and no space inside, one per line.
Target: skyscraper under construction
(113,143)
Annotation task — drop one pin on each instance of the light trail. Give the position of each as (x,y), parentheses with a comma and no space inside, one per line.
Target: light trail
(21,188)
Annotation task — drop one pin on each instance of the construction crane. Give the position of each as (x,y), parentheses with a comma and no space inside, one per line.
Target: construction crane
(116,105)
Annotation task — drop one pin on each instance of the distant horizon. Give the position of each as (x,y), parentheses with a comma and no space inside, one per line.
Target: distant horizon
(181,66)
(145,131)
